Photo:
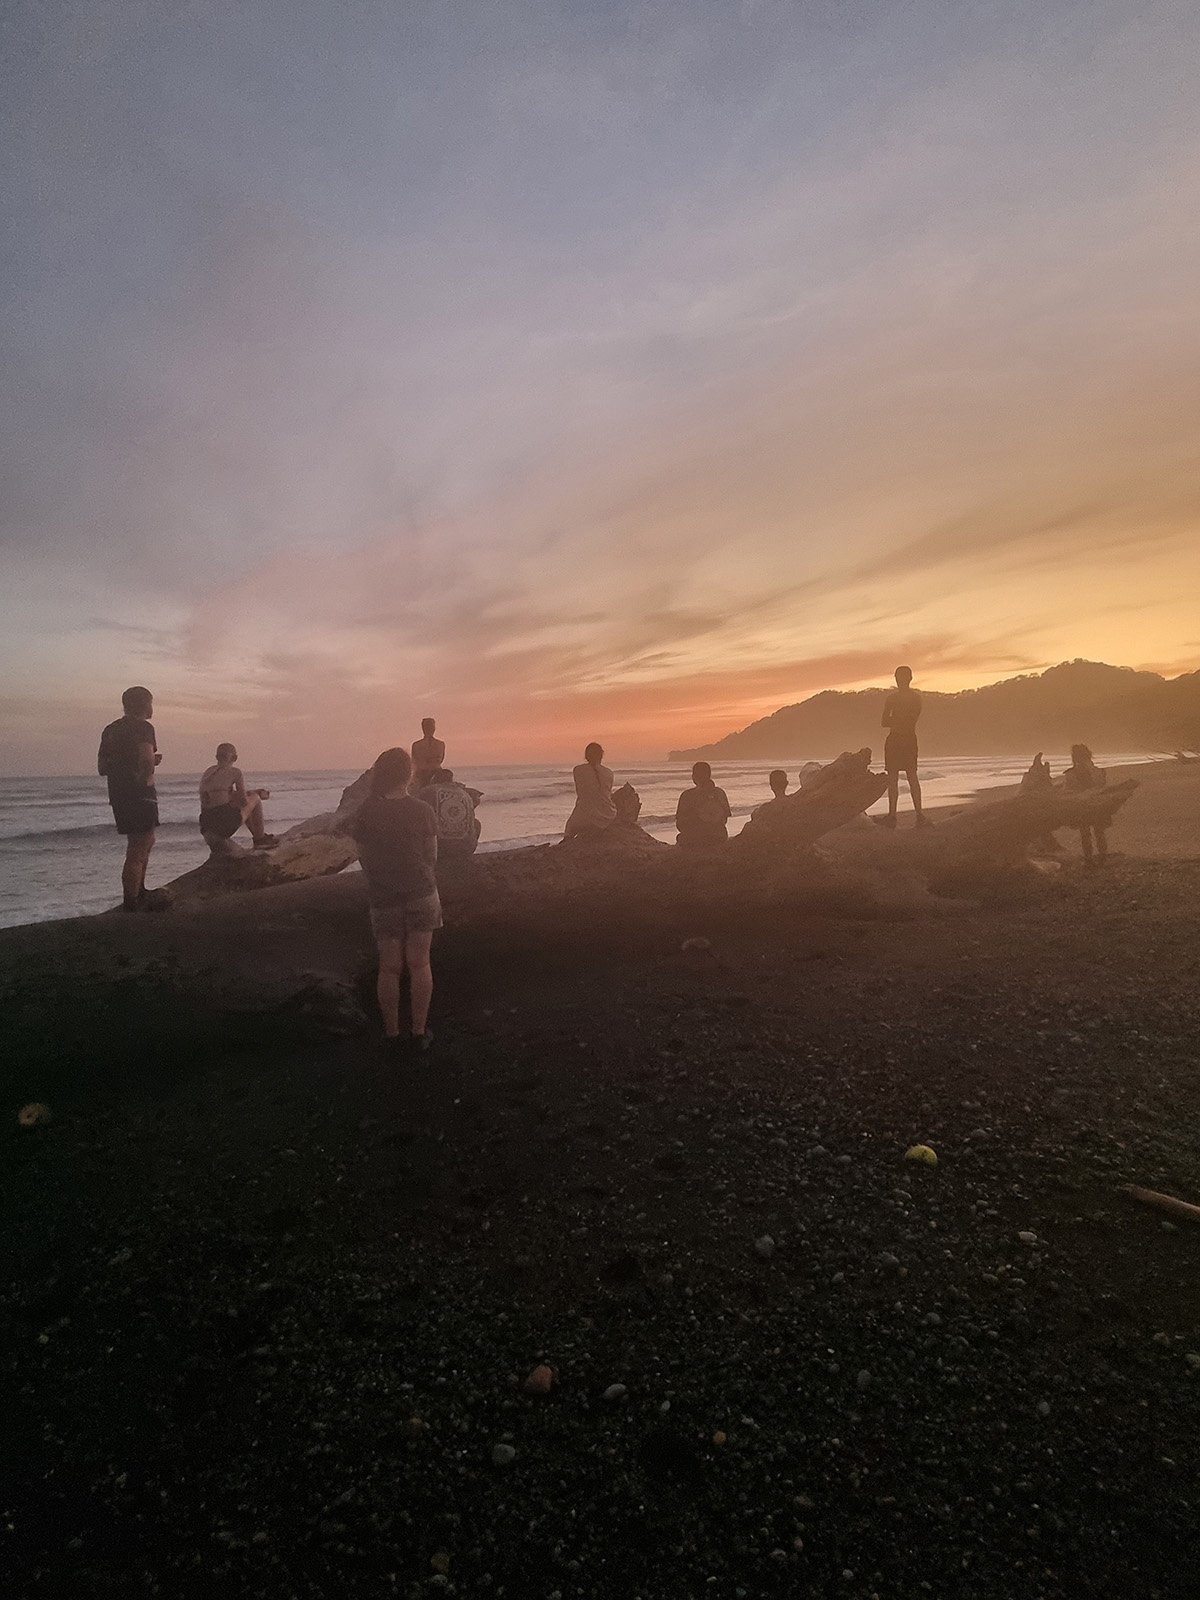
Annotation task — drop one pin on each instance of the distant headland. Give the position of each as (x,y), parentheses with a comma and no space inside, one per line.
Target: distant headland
(1110,708)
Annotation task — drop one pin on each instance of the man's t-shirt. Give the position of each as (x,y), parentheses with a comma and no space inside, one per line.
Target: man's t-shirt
(903,707)
(118,759)
(392,838)
(704,807)
(454,809)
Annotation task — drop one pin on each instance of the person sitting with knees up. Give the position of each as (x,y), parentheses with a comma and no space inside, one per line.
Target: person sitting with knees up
(225,803)
(396,836)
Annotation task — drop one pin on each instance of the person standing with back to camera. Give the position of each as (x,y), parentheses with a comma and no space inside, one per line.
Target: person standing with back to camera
(127,758)
(428,754)
(901,712)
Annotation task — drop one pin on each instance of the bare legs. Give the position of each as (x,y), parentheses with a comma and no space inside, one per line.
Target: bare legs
(395,955)
(252,816)
(420,979)
(1095,846)
(914,789)
(133,874)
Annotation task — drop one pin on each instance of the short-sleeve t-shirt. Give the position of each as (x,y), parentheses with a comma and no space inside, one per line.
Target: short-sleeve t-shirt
(392,844)
(118,759)
(454,810)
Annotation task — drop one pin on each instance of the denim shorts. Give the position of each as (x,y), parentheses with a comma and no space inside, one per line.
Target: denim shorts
(420,914)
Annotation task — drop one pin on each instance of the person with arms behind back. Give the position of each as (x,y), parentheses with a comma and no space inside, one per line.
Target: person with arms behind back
(127,758)
(901,712)
(396,836)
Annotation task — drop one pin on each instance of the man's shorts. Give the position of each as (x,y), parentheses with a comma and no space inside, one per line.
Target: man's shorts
(136,816)
(220,822)
(900,752)
(421,914)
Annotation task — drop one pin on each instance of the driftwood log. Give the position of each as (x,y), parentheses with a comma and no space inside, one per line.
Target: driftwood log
(773,851)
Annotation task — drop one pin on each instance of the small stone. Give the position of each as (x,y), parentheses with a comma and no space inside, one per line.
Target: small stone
(1193,1360)
(1043,1408)
(440,1561)
(764,1247)
(888,1260)
(35,1115)
(503,1455)
(718,1437)
(540,1380)
(1026,1237)
(696,943)
(615,1392)
(863,1381)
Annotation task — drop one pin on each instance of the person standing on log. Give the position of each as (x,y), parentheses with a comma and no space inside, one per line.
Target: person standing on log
(428,754)
(594,809)
(703,811)
(901,712)
(396,836)
(127,758)
(1081,776)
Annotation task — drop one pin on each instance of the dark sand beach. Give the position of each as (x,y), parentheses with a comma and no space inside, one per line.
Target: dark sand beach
(268,1306)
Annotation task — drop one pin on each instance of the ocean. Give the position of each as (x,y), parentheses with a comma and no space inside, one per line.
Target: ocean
(61,857)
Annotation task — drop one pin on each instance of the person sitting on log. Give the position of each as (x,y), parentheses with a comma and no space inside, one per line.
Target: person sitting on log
(1081,776)
(453,804)
(225,804)
(594,809)
(702,812)
(1037,781)
(428,754)
(397,843)
(901,712)
(769,810)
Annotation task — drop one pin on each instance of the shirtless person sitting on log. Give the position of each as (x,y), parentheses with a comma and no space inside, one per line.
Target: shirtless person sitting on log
(225,803)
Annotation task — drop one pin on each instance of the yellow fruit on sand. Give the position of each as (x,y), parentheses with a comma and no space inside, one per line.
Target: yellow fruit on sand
(922,1153)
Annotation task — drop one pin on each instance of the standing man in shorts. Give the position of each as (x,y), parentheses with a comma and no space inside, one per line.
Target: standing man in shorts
(396,836)
(901,712)
(127,758)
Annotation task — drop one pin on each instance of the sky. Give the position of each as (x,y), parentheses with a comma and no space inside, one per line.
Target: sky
(594,370)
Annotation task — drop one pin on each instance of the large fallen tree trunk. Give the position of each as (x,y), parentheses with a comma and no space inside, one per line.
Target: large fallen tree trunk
(983,840)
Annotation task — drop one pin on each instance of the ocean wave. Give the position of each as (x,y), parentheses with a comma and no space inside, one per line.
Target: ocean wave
(92,830)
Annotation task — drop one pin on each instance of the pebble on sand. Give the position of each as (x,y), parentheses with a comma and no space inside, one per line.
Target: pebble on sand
(696,943)
(34,1115)
(503,1455)
(764,1247)
(1026,1237)
(615,1391)
(540,1380)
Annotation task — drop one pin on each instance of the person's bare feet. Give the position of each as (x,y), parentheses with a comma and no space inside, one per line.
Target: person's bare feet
(265,841)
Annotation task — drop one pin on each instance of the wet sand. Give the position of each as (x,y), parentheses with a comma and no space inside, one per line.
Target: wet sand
(267,1304)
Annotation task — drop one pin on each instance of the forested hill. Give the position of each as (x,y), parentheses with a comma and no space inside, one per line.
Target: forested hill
(1110,708)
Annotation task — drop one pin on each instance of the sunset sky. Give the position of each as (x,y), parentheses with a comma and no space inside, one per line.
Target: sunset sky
(585,370)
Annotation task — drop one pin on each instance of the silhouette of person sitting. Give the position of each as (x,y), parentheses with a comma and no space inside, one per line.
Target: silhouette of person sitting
(703,811)
(594,809)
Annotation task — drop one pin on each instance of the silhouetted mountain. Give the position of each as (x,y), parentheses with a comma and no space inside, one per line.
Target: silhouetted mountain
(1110,708)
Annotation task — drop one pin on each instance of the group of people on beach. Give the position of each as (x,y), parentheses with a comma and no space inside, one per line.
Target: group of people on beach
(413,809)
